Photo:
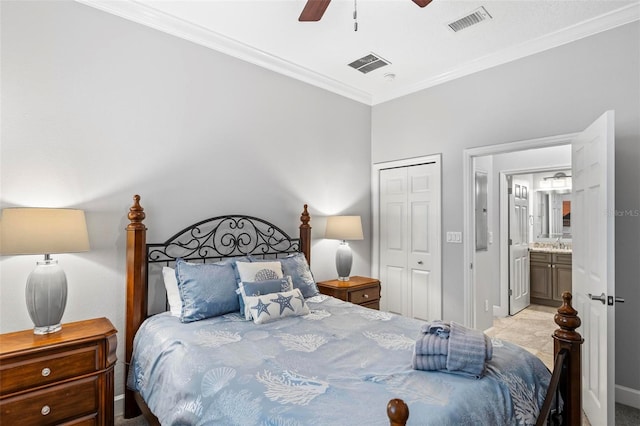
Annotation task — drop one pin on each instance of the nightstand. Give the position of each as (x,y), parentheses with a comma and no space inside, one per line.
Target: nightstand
(63,377)
(359,290)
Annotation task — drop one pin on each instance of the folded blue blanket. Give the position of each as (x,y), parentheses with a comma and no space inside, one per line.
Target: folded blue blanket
(431,344)
(437,327)
(468,350)
(463,350)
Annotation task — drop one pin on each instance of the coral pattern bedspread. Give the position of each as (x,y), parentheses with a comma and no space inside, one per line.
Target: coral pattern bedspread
(340,364)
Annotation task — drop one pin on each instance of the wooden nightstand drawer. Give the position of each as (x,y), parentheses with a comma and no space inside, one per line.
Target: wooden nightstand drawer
(363,296)
(29,371)
(362,291)
(63,378)
(53,405)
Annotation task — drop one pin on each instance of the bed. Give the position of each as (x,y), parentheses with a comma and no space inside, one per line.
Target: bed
(322,361)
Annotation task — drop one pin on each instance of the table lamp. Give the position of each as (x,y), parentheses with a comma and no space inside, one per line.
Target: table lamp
(44,231)
(344,228)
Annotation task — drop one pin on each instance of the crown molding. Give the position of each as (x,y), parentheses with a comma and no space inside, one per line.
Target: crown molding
(613,19)
(145,15)
(161,21)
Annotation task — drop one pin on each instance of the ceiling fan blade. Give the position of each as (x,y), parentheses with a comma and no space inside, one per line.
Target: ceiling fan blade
(422,3)
(313,10)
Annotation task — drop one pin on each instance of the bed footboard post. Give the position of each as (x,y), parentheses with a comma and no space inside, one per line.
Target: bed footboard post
(567,338)
(305,234)
(136,290)
(398,412)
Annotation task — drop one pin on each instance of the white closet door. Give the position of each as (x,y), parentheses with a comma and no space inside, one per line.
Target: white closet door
(393,240)
(410,253)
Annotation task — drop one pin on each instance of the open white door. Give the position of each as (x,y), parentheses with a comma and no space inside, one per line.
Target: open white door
(519,295)
(593,264)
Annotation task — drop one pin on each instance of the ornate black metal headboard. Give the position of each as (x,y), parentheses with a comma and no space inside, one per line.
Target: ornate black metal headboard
(224,237)
(212,239)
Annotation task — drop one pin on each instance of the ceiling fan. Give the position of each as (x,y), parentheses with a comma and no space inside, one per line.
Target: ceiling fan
(314,9)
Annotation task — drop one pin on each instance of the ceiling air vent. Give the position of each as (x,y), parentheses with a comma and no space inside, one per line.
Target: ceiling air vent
(369,63)
(474,18)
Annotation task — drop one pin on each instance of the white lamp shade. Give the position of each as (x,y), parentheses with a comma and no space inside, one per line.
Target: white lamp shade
(344,228)
(43,231)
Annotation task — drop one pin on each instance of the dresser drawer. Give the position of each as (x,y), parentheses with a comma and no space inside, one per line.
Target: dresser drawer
(54,405)
(365,295)
(28,372)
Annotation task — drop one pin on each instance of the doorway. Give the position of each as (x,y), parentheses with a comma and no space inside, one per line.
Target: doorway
(482,304)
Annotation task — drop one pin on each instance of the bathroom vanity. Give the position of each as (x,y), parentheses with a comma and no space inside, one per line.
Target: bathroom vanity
(550,275)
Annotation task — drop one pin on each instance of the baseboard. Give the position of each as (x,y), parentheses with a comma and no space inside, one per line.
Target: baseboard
(628,396)
(118,405)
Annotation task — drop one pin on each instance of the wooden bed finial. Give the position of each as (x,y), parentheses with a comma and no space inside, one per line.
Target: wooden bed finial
(305,234)
(398,412)
(136,214)
(567,319)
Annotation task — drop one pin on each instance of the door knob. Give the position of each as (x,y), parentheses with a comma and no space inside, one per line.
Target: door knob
(612,299)
(420,262)
(602,298)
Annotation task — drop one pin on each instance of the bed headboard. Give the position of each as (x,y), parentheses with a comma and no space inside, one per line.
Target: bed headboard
(209,240)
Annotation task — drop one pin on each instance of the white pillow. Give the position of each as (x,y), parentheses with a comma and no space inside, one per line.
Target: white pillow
(271,307)
(173,294)
(259,271)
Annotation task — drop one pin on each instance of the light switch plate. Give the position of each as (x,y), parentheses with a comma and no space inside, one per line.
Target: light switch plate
(454,237)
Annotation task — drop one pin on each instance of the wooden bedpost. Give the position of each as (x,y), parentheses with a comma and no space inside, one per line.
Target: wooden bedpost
(305,234)
(398,412)
(567,338)
(136,290)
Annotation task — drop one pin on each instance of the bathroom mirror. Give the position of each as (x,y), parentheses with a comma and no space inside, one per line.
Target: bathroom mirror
(554,215)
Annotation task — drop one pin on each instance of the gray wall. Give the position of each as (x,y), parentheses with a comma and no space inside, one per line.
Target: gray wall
(96,108)
(554,92)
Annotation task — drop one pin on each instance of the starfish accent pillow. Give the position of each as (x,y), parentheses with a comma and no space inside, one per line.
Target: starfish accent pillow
(274,306)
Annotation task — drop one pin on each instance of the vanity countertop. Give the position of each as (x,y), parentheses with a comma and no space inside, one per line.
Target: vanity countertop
(550,248)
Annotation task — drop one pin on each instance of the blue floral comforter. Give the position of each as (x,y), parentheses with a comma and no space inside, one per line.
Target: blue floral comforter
(339,365)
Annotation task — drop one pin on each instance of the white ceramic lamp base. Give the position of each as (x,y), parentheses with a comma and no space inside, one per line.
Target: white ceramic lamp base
(46,295)
(344,259)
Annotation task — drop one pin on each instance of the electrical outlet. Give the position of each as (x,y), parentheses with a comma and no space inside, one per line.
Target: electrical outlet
(486,305)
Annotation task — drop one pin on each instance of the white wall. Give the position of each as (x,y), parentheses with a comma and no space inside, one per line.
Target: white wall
(96,108)
(555,92)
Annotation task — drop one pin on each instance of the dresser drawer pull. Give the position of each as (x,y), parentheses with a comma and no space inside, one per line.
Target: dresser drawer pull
(366,296)
(45,410)
(46,371)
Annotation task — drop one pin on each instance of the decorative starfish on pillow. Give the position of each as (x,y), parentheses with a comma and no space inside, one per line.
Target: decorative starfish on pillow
(262,307)
(284,302)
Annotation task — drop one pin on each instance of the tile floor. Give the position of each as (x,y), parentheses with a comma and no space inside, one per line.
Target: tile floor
(532,328)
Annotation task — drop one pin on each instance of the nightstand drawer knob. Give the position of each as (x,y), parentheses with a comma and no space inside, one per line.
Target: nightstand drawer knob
(366,296)
(45,372)
(45,410)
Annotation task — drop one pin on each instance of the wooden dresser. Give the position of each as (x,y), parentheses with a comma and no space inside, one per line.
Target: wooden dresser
(59,378)
(359,290)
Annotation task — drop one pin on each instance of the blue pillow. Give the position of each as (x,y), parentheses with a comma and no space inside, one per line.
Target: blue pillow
(297,267)
(207,290)
(259,288)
